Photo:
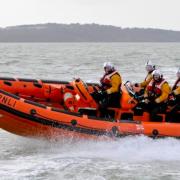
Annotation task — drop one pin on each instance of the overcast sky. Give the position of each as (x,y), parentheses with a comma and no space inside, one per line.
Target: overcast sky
(164,14)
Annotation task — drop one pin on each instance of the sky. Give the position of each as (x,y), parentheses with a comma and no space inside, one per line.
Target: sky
(163,14)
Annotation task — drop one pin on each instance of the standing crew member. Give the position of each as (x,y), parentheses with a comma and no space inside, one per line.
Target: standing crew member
(149,68)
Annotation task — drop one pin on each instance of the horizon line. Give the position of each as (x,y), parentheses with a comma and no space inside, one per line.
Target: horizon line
(73,23)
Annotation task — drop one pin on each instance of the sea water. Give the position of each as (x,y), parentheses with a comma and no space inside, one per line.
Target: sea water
(134,158)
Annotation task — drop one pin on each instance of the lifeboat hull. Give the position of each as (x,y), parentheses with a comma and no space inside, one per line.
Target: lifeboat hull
(28,118)
(33,108)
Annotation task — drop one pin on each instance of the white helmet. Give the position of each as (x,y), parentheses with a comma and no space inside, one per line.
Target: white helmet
(178,73)
(157,75)
(149,66)
(109,66)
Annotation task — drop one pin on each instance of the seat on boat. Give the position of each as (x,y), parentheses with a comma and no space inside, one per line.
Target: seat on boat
(87,111)
(112,113)
(174,119)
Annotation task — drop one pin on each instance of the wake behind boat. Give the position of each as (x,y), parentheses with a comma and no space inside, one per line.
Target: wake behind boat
(50,108)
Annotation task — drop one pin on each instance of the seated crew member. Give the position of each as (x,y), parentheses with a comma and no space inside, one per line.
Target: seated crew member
(174,100)
(141,86)
(110,85)
(156,95)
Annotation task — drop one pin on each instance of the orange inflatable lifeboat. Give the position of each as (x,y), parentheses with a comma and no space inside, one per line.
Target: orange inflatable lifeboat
(48,108)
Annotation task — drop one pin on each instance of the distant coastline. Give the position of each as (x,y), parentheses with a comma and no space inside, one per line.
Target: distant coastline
(52,32)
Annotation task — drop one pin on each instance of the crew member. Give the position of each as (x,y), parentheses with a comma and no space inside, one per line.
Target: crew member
(176,87)
(140,87)
(156,95)
(174,101)
(110,87)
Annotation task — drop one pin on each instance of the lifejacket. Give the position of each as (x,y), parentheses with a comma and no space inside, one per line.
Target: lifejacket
(154,89)
(69,101)
(106,80)
(176,84)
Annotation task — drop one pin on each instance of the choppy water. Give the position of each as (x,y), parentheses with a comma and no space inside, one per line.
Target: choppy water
(128,158)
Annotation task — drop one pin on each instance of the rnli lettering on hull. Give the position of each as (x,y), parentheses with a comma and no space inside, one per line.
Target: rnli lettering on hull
(7,101)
